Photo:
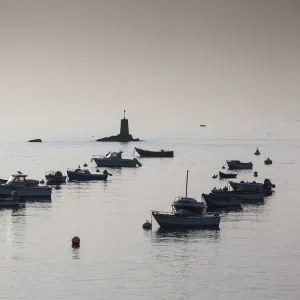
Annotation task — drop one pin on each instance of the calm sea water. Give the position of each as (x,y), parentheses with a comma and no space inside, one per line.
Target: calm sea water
(254,255)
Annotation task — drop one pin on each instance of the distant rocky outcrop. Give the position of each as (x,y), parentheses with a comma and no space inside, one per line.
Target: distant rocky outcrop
(35,141)
(123,136)
(119,138)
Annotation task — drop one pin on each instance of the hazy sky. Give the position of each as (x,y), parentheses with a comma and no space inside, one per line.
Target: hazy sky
(71,67)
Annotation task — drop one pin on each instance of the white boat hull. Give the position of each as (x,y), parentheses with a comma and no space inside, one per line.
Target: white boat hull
(165,220)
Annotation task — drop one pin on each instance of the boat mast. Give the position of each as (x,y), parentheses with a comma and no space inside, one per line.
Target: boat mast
(186,184)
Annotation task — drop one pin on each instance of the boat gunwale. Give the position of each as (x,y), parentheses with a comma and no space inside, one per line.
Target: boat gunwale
(172,214)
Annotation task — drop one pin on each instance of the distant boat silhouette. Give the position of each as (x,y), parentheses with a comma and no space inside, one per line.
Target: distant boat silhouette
(257,152)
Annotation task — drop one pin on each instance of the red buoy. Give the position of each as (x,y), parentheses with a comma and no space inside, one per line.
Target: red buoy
(75,241)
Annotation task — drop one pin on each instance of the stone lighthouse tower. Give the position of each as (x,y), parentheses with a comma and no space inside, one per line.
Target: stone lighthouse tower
(124,129)
(124,135)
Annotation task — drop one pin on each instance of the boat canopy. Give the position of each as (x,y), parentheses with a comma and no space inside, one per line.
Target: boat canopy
(17,178)
(114,155)
(84,171)
(185,199)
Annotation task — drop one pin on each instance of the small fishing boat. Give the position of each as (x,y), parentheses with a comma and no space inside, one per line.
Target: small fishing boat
(115,159)
(246,186)
(238,165)
(26,191)
(177,220)
(187,212)
(268,161)
(266,187)
(202,125)
(55,177)
(214,201)
(227,175)
(257,152)
(148,153)
(251,196)
(86,175)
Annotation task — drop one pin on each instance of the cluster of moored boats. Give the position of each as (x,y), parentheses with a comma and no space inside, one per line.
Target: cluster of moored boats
(18,188)
(188,212)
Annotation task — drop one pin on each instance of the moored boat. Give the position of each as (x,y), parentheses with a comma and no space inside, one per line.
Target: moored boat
(173,220)
(187,212)
(250,196)
(55,177)
(148,153)
(19,184)
(86,175)
(266,187)
(238,165)
(227,175)
(214,201)
(268,161)
(246,186)
(115,159)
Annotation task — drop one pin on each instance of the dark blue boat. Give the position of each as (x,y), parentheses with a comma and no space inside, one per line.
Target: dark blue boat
(86,175)
(11,202)
(216,201)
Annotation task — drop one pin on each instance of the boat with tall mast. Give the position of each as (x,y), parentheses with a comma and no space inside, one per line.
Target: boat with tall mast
(186,212)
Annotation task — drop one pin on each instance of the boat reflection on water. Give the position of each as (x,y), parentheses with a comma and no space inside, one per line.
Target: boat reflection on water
(75,253)
(226,209)
(38,200)
(164,234)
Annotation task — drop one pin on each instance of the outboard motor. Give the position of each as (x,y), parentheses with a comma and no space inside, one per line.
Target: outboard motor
(105,172)
(268,183)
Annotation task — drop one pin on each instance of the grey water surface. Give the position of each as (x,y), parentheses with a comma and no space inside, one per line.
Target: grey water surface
(254,255)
